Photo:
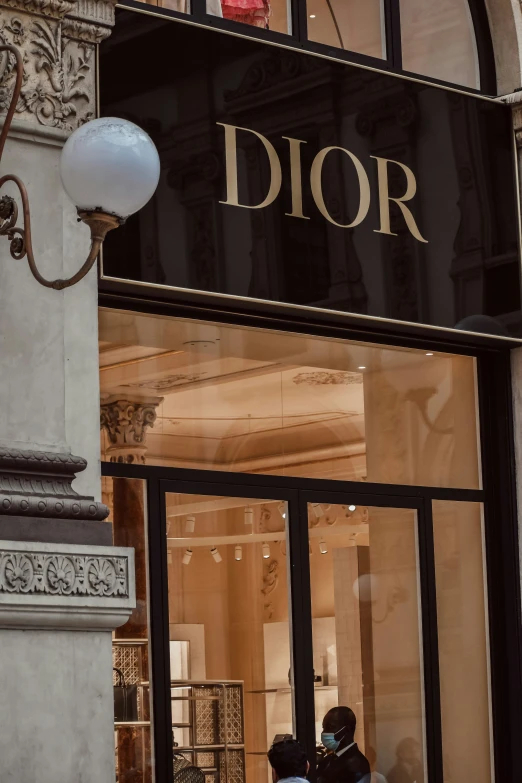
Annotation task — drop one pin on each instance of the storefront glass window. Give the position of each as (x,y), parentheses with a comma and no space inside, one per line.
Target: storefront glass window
(367,630)
(438,40)
(230,665)
(133,726)
(217,397)
(356,25)
(266,14)
(463,645)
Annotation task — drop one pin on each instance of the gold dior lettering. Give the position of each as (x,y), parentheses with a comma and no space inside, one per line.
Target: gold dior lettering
(276,179)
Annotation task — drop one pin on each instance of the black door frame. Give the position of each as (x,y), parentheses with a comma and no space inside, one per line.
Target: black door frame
(298,493)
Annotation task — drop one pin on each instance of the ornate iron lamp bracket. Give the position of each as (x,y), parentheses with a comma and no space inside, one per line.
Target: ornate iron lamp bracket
(100,223)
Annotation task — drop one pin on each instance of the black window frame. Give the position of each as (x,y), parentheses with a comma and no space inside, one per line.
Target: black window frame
(498,494)
(298,38)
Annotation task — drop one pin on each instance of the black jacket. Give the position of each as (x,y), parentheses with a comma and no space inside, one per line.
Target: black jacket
(350,767)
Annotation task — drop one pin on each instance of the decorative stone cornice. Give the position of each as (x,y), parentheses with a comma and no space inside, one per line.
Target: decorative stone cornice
(126,422)
(39,484)
(64,586)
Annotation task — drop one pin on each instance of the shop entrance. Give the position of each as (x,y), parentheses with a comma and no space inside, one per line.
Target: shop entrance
(272,601)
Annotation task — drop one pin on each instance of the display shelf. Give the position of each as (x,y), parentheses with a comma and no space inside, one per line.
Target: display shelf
(210,716)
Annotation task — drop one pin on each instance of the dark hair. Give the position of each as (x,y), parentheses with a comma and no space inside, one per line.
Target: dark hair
(288,759)
(340,717)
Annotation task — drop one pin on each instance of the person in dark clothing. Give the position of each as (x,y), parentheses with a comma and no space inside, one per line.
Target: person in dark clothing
(344,762)
(288,761)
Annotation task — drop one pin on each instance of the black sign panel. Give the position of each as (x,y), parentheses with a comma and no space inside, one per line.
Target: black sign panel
(297,179)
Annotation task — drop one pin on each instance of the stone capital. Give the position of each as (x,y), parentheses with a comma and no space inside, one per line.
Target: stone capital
(126,422)
(57,39)
(66,587)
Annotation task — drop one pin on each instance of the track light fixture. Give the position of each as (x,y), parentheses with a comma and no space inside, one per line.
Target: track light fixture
(265,549)
(190,523)
(318,510)
(238,552)
(249,515)
(187,554)
(215,554)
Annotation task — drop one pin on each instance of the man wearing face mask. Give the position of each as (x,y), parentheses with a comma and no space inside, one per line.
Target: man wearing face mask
(344,762)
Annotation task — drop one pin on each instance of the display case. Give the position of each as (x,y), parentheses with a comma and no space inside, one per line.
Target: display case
(208,727)
(132,724)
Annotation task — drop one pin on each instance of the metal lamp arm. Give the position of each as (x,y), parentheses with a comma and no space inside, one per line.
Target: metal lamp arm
(100,223)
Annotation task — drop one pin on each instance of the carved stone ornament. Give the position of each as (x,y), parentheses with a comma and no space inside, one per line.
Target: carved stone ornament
(325,378)
(38,484)
(57,574)
(65,586)
(126,423)
(57,39)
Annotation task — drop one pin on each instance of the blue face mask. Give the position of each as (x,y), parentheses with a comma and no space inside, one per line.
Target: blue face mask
(329,741)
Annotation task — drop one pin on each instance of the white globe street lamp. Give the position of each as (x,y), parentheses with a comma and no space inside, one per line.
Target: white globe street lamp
(110,169)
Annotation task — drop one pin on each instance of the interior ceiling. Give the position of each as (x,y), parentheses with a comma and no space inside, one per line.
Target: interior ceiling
(222,383)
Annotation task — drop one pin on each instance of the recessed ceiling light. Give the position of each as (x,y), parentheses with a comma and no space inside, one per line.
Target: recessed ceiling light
(352,508)
(312,16)
(429,353)
(362,367)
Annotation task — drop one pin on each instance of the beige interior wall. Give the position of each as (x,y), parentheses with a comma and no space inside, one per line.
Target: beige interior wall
(463,652)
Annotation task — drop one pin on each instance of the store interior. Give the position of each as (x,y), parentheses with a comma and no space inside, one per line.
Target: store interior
(185,394)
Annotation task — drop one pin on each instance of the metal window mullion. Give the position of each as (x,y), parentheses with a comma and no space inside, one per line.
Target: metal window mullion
(430,642)
(159,631)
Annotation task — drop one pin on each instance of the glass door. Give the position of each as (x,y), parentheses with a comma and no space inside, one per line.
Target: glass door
(229,634)
(282,611)
(367,636)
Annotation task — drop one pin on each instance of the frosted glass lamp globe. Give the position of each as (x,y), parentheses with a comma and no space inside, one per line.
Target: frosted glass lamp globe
(110,165)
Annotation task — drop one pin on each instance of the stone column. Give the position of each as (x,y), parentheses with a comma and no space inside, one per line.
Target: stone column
(63,586)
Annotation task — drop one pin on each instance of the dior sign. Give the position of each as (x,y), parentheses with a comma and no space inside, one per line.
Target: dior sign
(296,179)
(316,172)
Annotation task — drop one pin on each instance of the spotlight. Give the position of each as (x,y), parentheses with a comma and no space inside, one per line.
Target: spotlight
(249,515)
(429,354)
(282,509)
(352,508)
(318,510)
(266,550)
(323,549)
(215,554)
(190,524)
(238,552)
(186,556)
(362,367)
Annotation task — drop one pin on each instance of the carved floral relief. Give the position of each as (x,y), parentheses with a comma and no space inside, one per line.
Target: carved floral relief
(57,574)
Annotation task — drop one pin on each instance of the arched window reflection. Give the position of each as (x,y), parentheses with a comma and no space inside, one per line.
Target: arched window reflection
(438,40)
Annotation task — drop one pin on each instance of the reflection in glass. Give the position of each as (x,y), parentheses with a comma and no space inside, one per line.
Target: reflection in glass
(463,645)
(367,632)
(267,14)
(229,633)
(228,398)
(131,643)
(355,25)
(438,40)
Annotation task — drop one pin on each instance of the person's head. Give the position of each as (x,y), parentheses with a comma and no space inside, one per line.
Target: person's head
(408,750)
(338,728)
(288,760)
